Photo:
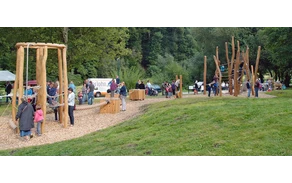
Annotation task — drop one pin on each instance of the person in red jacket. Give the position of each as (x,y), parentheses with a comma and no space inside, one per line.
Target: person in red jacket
(38,118)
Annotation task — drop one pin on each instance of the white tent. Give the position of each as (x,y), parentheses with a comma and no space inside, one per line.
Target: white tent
(6,76)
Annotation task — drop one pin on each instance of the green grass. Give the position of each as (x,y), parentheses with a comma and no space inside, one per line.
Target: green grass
(215,126)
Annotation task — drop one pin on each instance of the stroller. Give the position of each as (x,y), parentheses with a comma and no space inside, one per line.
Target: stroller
(153,92)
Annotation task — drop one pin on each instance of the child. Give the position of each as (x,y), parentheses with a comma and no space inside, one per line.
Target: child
(80,96)
(209,88)
(38,118)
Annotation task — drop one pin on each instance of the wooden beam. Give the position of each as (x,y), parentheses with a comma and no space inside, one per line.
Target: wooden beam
(39,45)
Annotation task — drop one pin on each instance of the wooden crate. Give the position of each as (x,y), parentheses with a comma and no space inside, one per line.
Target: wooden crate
(113,107)
(137,94)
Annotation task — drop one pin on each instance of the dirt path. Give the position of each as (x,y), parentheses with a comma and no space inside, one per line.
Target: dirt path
(86,121)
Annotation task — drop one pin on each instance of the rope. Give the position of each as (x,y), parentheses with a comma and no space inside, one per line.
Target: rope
(5,109)
(27,54)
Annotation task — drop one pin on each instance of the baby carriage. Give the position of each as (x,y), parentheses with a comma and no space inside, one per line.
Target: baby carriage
(153,92)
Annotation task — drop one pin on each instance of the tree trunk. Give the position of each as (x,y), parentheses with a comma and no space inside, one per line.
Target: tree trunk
(271,74)
(287,79)
(65,35)
(65,40)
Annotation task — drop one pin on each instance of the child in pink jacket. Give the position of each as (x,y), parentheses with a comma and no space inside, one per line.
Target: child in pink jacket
(38,118)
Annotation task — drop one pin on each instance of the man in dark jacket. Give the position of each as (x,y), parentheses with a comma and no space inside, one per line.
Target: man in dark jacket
(8,89)
(25,114)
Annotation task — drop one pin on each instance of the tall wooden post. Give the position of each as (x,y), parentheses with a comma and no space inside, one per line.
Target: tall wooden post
(217,60)
(205,74)
(42,93)
(231,67)
(228,66)
(61,85)
(220,75)
(65,88)
(236,71)
(15,88)
(246,64)
(257,62)
(20,73)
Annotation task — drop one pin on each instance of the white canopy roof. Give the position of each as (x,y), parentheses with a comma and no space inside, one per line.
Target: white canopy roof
(6,76)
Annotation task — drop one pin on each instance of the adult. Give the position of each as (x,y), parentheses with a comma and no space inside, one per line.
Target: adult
(248,88)
(118,84)
(137,84)
(84,93)
(148,87)
(90,93)
(123,95)
(163,86)
(71,103)
(215,78)
(25,114)
(8,89)
(142,85)
(52,93)
(196,87)
(117,80)
(256,88)
(173,87)
(113,87)
(71,85)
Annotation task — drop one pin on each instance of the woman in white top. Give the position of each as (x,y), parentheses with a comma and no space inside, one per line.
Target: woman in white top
(71,103)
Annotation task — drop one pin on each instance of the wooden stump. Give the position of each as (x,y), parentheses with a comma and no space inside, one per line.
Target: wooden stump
(137,94)
(112,107)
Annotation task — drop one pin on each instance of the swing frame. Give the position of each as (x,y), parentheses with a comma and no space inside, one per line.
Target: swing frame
(41,59)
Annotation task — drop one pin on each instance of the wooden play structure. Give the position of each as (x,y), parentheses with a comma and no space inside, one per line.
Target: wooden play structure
(41,59)
(236,69)
(108,105)
(240,65)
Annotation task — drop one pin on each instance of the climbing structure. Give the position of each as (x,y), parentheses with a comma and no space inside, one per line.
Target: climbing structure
(41,59)
(237,67)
